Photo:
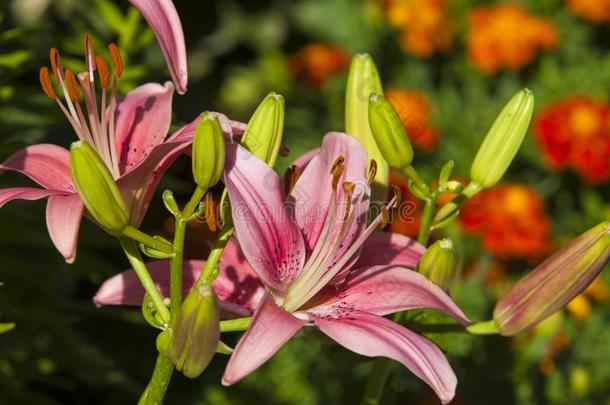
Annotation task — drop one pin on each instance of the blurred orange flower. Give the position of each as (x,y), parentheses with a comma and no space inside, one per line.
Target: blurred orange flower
(424,24)
(511,221)
(316,62)
(414,110)
(597,11)
(507,36)
(576,133)
(407,218)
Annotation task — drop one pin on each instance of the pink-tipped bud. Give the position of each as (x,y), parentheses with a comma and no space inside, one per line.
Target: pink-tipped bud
(555,282)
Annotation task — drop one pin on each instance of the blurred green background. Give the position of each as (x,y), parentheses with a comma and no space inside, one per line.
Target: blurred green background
(448,79)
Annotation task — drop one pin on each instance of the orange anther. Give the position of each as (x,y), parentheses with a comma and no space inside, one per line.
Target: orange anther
(372,171)
(72,84)
(90,58)
(290,178)
(337,171)
(45,82)
(103,71)
(210,214)
(117,59)
(55,62)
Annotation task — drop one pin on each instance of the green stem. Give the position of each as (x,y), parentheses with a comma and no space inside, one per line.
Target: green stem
(235,325)
(207,275)
(191,206)
(155,391)
(411,173)
(139,236)
(448,209)
(175,270)
(162,374)
(426,220)
(135,259)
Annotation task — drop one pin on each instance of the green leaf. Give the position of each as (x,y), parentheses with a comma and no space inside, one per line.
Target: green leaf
(5,327)
(15,59)
(111,15)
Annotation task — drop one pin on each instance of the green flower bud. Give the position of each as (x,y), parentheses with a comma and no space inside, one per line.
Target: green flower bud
(439,263)
(389,133)
(196,333)
(362,81)
(97,188)
(208,152)
(555,282)
(503,140)
(263,136)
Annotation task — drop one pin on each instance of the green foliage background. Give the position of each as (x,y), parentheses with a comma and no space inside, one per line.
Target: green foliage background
(64,350)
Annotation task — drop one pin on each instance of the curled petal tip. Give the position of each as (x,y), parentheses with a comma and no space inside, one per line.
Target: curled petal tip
(163,19)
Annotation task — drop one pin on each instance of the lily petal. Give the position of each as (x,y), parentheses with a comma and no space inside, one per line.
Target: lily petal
(125,288)
(64,213)
(25,193)
(238,291)
(237,286)
(302,161)
(229,128)
(312,193)
(163,18)
(390,249)
(374,336)
(271,327)
(143,118)
(383,290)
(266,232)
(46,164)
(139,184)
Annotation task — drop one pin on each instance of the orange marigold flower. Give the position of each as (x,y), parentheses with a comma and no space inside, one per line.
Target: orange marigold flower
(596,11)
(424,24)
(414,110)
(575,133)
(507,36)
(316,62)
(511,221)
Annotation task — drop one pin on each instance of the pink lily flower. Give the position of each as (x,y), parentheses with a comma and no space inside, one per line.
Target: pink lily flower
(316,263)
(163,18)
(129,133)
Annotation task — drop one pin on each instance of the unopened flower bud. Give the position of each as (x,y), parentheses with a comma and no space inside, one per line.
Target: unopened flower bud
(389,133)
(362,81)
(555,282)
(439,263)
(97,189)
(263,135)
(208,152)
(196,333)
(503,140)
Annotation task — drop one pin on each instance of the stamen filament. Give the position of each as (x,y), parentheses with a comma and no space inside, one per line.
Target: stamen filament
(58,72)
(328,276)
(111,134)
(91,104)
